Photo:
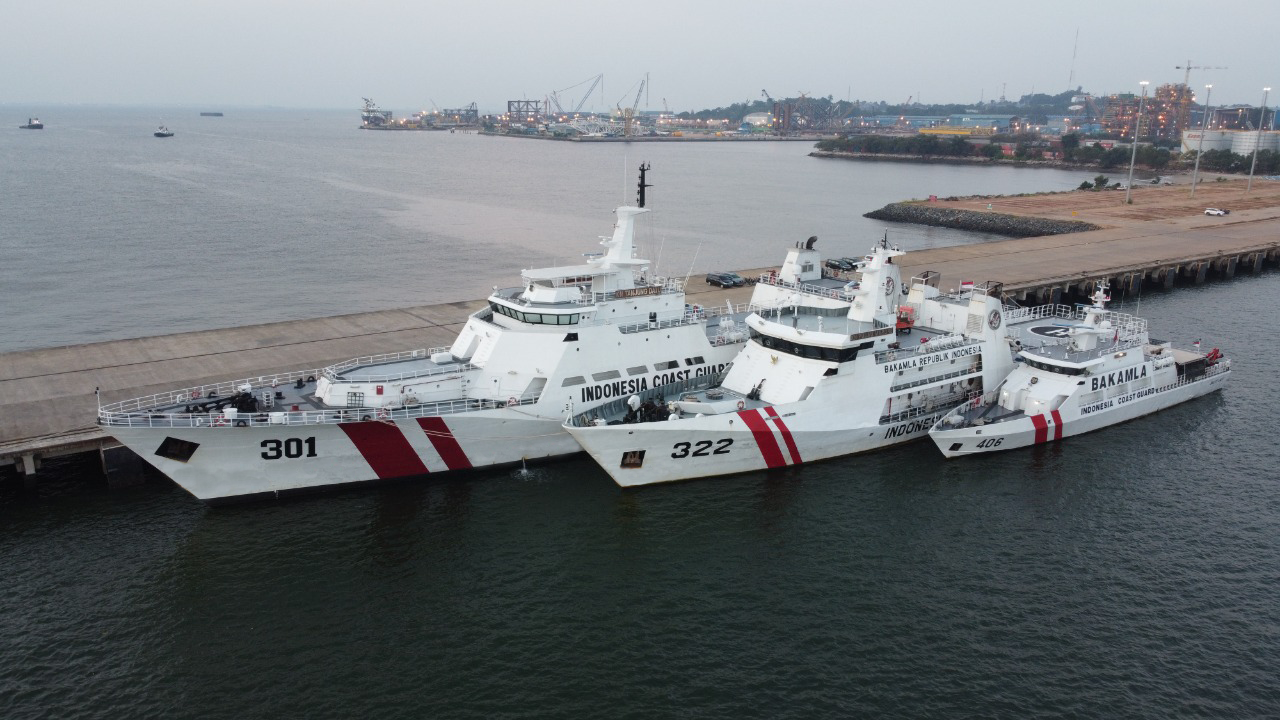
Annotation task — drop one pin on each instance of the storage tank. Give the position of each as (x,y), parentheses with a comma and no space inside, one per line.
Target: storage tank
(1244,142)
(1213,140)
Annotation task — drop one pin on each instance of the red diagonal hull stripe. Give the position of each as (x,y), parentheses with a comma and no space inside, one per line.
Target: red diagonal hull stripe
(764,438)
(1057,425)
(786,435)
(385,448)
(1042,428)
(445,443)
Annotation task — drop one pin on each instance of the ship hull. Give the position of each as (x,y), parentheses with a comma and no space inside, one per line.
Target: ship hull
(746,441)
(225,463)
(1069,420)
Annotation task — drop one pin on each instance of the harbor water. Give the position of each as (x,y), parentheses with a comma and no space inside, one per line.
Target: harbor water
(1130,573)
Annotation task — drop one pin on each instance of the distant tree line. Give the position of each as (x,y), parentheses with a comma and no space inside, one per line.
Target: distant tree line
(924,145)
(1027,146)
(1229,162)
(1035,108)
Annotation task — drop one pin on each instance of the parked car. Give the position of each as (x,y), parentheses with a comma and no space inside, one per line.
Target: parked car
(1216,211)
(839,263)
(725,279)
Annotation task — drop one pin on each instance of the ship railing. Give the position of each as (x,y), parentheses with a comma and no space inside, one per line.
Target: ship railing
(327,416)
(881,329)
(384,358)
(1123,321)
(694,314)
(976,368)
(938,344)
(665,285)
(806,288)
(932,405)
(615,409)
(1217,368)
(188,395)
(334,372)
(1125,342)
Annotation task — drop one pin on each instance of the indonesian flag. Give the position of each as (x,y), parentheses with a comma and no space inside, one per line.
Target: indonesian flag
(967,285)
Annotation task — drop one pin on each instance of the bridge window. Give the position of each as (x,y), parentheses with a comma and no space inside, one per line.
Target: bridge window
(813,352)
(535,318)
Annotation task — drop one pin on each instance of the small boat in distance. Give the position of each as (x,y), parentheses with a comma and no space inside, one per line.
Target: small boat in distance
(210,114)
(163,131)
(32,124)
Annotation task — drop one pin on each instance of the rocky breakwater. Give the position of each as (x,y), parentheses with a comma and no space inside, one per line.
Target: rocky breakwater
(986,222)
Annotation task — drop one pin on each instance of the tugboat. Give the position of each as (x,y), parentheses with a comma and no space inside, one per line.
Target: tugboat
(32,124)
(163,131)
(1085,371)
(819,378)
(569,337)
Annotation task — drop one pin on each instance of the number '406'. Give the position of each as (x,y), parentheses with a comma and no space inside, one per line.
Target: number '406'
(273,449)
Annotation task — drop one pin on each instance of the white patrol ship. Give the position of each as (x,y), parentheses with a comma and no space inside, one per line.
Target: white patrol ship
(819,378)
(1079,371)
(570,338)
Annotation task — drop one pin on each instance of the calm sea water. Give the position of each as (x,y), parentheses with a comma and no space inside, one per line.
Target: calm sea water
(259,216)
(1132,573)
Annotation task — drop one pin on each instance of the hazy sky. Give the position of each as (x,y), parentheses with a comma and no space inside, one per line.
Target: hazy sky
(330,53)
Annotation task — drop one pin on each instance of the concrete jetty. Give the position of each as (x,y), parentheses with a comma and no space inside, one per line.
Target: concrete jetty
(47,399)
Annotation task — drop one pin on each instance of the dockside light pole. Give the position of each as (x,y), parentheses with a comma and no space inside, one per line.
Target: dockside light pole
(1137,126)
(1263,116)
(1204,126)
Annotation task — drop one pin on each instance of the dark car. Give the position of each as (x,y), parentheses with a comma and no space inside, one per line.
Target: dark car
(725,279)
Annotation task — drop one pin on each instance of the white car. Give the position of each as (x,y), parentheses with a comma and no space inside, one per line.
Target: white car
(1216,211)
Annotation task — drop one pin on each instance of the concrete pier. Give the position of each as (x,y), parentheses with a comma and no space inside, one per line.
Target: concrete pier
(48,406)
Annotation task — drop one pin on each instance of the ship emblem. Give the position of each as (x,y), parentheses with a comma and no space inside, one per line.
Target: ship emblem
(888,286)
(773,359)
(994,319)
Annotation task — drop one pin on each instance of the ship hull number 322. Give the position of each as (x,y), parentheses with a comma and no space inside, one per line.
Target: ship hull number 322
(702,448)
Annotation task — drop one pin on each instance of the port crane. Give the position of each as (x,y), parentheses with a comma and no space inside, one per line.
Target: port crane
(629,114)
(554,98)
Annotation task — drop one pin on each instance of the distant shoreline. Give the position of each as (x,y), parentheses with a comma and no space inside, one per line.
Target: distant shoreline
(1003,162)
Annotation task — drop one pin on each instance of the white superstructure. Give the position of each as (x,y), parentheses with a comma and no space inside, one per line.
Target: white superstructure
(820,377)
(569,338)
(1078,372)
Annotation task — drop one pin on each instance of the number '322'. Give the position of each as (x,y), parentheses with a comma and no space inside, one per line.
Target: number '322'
(702,448)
